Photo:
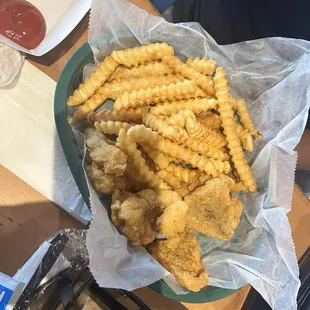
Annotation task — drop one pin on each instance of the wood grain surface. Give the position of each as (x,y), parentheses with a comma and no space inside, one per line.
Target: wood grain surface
(27,218)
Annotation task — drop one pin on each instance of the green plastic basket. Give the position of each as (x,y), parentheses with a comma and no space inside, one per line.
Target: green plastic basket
(70,78)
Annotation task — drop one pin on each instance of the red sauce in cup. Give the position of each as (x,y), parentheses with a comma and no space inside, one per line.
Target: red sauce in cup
(22,22)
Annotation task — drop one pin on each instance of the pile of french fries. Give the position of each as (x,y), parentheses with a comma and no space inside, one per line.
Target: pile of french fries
(178,116)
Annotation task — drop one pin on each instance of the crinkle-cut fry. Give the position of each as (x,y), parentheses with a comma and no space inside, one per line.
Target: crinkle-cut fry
(159,159)
(114,89)
(232,102)
(246,120)
(201,133)
(230,130)
(204,65)
(180,90)
(132,57)
(155,68)
(203,178)
(117,75)
(180,135)
(185,175)
(221,86)
(196,105)
(245,138)
(111,127)
(205,82)
(233,185)
(91,104)
(185,189)
(210,120)
(179,118)
(130,115)
(140,133)
(169,178)
(143,173)
(93,82)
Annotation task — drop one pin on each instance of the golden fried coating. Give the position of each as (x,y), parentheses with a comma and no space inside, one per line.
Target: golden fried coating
(106,183)
(181,256)
(140,133)
(209,148)
(102,182)
(166,197)
(197,131)
(142,216)
(173,220)
(209,120)
(112,128)
(196,105)
(91,104)
(130,115)
(186,189)
(93,82)
(212,211)
(114,90)
(143,173)
(121,196)
(205,82)
(204,66)
(246,119)
(245,138)
(134,99)
(132,57)
(154,68)
(230,130)
(136,218)
(159,159)
(109,157)
(185,175)
(169,178)
(179,118)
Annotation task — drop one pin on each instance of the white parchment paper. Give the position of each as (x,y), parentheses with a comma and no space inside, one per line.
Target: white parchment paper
(273,75)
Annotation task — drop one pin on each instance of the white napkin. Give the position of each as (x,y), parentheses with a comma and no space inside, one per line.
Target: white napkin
(30,145)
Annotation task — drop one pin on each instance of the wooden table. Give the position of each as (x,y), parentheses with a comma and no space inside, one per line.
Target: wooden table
(27,218)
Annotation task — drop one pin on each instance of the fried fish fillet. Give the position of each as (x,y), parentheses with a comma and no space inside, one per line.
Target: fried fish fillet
(173,220)
(181,256)
(213,211)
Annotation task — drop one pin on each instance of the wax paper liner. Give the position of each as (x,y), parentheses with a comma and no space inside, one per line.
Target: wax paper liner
(273,76)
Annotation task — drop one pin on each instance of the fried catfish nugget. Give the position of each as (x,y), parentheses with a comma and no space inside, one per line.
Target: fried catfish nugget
(109,157)
(181,256)
(144,215)
(213,211)
(136,218)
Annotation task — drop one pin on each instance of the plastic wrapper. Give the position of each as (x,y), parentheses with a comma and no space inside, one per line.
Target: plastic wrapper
(273,76)
(63,255)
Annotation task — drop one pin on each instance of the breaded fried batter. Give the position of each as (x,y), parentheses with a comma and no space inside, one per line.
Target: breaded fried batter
(112,159)
(213,211)
(173,220)
(144,215)
(136,218)
(181,256)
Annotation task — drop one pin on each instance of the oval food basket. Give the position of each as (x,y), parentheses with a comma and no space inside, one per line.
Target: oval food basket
(70,78)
